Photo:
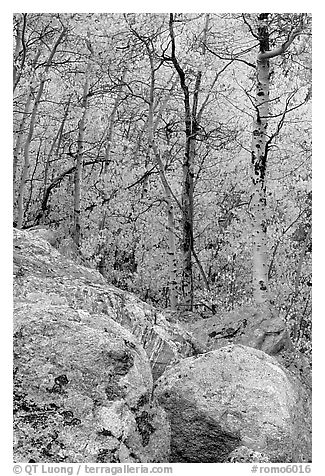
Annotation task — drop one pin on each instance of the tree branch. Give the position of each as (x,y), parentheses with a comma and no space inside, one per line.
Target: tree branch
(281,49)
(249,26)
(231,58)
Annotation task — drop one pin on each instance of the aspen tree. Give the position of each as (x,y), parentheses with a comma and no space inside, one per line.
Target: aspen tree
(259,155)
(22,186)
(167,190)
(191,130)
(80,152)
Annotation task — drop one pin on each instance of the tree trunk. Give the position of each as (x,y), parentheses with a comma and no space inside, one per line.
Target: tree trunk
(112,121)
(23,180)
(168,194)
(297,323)
(18,144)
(259,162)
(80,156)
(187,221)
(79,165)
(22,186)
(187,184)
(57,139)
(191,128)
(20,49)
(20,133)
(259,155)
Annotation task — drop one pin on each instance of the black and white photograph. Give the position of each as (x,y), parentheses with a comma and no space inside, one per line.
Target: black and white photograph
(162,241)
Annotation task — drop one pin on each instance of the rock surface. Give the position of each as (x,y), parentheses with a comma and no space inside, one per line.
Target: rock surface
(242,454)
(233,397)
(42,273)
(252,328)
(85,354)
(82,389)
(247,327)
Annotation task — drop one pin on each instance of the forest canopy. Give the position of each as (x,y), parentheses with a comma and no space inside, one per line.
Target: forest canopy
(172,152)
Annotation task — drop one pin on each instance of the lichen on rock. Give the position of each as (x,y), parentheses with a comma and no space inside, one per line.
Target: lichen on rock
(80,388)
(41,274)
(82,382)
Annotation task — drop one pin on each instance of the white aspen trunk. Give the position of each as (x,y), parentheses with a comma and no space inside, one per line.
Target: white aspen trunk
(56,142)
(79,164)
(18,47)
(80,153)
(22,186)
(298,319)
(171,252)
(105,177)
(146,180)
(21,191)
(171,230)
(168,195)
(111,123)
(258,171)
(18,144)
(259,161)
(20,133)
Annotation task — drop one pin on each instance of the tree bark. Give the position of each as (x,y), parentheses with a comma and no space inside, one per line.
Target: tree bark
(18,144)
(259,162)
(20,49)
(56,142)
(299,318)
(191,129)
(22,186)
(111,122)
(187,183)
(80,155)
(20,132)
(259,155)
(154,151)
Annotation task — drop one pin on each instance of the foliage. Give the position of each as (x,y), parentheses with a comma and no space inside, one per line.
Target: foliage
(124,225)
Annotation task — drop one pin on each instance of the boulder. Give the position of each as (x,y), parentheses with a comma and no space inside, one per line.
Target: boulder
(251,327)
(235,397)
(42,273)
(82,389)
(247,326)
(44,233)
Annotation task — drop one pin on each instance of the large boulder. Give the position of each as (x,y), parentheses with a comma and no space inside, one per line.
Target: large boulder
(247,326)
(45,233)
(82,388)
(231,398)
(41,272)
(251,327)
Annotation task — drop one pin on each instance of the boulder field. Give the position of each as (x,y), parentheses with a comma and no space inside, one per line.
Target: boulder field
(100,376)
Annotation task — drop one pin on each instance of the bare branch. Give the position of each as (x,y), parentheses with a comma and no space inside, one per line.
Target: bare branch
(232,57)
(281,49)
(249,26)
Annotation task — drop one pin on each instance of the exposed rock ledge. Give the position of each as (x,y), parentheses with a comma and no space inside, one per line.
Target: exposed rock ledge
(43,275)
(85,357)
(83,383)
